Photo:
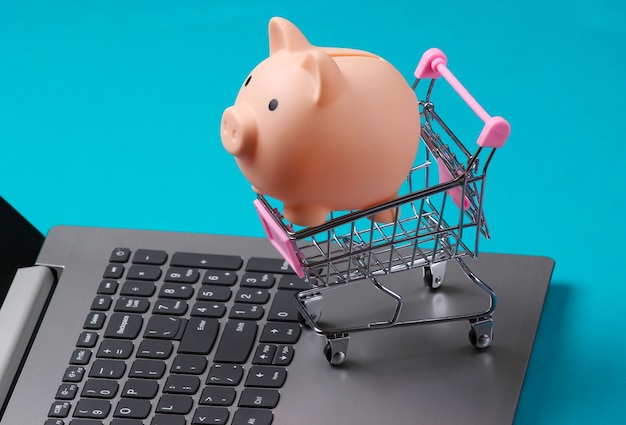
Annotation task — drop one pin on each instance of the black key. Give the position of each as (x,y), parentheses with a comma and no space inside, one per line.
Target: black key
(66,392)
(140,388)
(284,355)
(54,422)
(137,288)
(229,375)
(80,356)
(219,277)
(85,422)
(252,296)
(100,388)
(174,404)
(165,327)
(284,307)
(60,409)
(247,311)
(124,326)
(132,408)
(131,305)
(258,397)
(115,349)
(189,364)
(94,320)
(199,336)
(266,376)
(182,275)
(166,419)
(149,256)
(293,282)
(218,396)
(92,408)
(281,333)
(268,265)
(170,306)
(264,354)
(147,369)
(246,416)
(176,291)
(237,341)
(155,349)
(101,303)
(113,271)
(110,369)
(214,293)
(141,272)
(207,309)
(87,339)
(126,422)
(210,415)
(258,280)
(181,384)
(120,255)
(74,374)
(108,287)
(206,261)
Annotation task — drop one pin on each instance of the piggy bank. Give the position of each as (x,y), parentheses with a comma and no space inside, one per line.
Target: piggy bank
(322,129)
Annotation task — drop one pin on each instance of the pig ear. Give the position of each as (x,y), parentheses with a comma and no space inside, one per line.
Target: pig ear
(328,81)
(286,36)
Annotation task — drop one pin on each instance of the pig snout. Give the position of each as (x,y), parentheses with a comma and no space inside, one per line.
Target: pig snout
(239,131)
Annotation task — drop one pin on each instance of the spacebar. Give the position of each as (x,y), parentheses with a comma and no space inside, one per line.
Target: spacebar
(237,341)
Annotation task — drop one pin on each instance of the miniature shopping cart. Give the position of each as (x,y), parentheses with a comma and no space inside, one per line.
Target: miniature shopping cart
(439,217)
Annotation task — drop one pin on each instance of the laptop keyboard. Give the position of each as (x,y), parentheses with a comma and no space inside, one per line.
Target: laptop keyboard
(182,339)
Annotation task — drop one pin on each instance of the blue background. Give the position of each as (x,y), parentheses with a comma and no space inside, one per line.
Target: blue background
(110,110)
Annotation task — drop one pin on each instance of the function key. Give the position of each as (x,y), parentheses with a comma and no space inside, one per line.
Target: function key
(113,271)
(207,261)
(149,256)
(108,287)
(87,339)
(120,255)
(268,265)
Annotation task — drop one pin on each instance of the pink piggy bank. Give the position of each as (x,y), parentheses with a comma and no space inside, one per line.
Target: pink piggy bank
(322,129)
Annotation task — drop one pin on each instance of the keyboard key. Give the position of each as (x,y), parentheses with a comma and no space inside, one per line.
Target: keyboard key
(252,296)
(92,408)
(200,335)
(181,384)
(218,396)
(110,369)
(80,356)
(87,339)
(147,369)
(132,408)
(206,261)
(258,397)
(258,280)
(108,287)
(115,349)
(54,422)
(155,349)
(293,282)
(131,305)
(268,265)
(140,388)
(120,255)
(219,277)
(161,419)
(284,307)
(170,306)
(247,311)
(137,288)
(283,356)
(174,404)
(210,415)
(126,422)
(247,416)
(149,256)
(124,326)
(225,375)
(74,374)
(66,392)
(207,309)
(100,388)
(60,409)
(266,376)
(189,364)
(214,293)
(141,272)
(165,327)
(281,333)
(176,291)
(85,422)
(94,320)
(182,275)
(237,341)
(264,354)
(101,303)
(113,271)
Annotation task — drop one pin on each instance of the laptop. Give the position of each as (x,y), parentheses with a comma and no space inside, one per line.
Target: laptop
(130,327)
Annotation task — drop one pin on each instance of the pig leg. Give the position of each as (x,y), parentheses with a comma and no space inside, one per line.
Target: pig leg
(305,215)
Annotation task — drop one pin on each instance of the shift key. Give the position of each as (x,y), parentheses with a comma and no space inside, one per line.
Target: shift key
(199,336)
(237,341)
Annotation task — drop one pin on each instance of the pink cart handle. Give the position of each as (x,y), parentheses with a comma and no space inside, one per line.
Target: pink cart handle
(434,65)
(277,236)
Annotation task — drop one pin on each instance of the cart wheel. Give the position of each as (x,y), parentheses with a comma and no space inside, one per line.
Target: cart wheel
(434,275)
(335,349)
(481,341)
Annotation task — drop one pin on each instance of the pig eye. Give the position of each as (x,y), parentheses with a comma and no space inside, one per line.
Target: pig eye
(247,81)
(273,104)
